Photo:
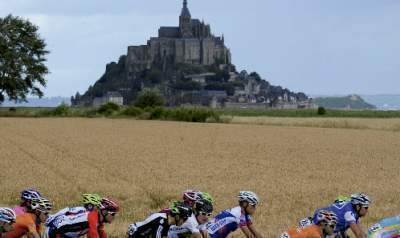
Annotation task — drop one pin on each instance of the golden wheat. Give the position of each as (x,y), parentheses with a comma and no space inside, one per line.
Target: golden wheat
(146,164)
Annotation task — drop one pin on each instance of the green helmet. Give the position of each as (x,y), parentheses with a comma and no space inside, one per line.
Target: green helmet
(207,197)
(342,198)
(180,209)
(91,199)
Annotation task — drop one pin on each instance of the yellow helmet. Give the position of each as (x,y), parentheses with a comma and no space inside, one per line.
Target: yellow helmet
(91,199)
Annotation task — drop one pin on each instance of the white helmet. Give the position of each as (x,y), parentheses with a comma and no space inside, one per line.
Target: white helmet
(248,196)
(7,215)
(41,204)
(327,217)
(360,199)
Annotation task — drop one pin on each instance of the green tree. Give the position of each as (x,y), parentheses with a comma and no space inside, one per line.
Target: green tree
(149,99)
(22,57)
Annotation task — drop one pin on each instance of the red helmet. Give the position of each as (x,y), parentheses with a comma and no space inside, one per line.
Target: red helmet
(109,205)
(190,196)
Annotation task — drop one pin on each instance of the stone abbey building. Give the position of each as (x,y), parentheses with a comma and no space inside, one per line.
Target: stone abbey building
(190,43)
(185,64)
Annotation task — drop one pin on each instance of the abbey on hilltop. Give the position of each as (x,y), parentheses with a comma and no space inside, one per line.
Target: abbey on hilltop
(189,43)
(185,64)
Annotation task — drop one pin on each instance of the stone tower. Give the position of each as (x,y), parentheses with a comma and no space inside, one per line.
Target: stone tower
(185,21)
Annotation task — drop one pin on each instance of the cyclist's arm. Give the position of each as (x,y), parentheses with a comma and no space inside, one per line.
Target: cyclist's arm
(32,232)
(102,231)
(357,231)
(196,235)
(253,230)
(247,232)
(204,233)
(93,221)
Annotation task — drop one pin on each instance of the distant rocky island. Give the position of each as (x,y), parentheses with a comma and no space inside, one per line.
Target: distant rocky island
(346,102)
(186,65)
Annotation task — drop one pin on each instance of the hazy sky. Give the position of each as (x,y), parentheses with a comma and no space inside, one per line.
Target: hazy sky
(314,46)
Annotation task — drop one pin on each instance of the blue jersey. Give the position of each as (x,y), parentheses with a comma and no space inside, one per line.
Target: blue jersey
(227,221)
(388,227)
(345,213)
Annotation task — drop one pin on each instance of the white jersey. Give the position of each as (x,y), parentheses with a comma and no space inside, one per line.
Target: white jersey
(190,226)
(228,221)
(75,225)
(65,211)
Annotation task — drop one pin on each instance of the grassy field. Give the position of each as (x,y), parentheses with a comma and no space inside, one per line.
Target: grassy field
(387,124)
(168,113)
(309,113)
(146,164)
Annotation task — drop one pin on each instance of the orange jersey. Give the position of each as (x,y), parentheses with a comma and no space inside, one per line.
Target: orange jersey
(312,231)
(24,224)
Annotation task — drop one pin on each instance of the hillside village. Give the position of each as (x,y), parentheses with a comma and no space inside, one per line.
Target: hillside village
(186,65)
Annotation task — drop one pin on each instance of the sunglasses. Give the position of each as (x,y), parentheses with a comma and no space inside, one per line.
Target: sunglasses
(111,213)
(366,208)
(205,214)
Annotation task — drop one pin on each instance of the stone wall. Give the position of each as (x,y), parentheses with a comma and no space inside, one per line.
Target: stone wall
(138,58)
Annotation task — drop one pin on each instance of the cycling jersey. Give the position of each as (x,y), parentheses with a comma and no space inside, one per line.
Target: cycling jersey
(386,228)
(24,224)
(65,211)
(190,226)
(155,226)
(77,224)
(19,210)
(228,221)
(311,231)
(345,213)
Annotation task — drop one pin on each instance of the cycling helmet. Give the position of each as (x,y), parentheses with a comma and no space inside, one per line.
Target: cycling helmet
(190,196)
(203,206)
(109,205)
(181,209)
(327,217)
(360,199)
(342,198)
(7,215)
(205,196)
(248,196)
(91,199)
(29,194)
(41,204)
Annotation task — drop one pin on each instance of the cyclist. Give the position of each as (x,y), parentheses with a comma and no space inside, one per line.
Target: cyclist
(191,228)
(90,202)
(349,213)
(326,223)
(74,225)
(26,197)
(386,228)
(158,224)
(7,219)
(30,222)
(238,217)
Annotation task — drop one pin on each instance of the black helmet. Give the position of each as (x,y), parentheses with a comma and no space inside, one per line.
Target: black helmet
(180,209)
(203,205)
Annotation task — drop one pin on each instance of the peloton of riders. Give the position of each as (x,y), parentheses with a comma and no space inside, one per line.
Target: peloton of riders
(190,217)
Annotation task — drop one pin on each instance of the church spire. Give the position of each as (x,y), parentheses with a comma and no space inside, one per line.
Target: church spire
(185,10)
(185,21)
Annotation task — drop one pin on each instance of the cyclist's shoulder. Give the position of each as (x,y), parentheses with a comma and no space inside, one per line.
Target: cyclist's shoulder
(159,217)
(236,211)
(26,218)
(311,231)
(340,208)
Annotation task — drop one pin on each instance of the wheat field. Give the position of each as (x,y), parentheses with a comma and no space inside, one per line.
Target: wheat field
(146,164)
